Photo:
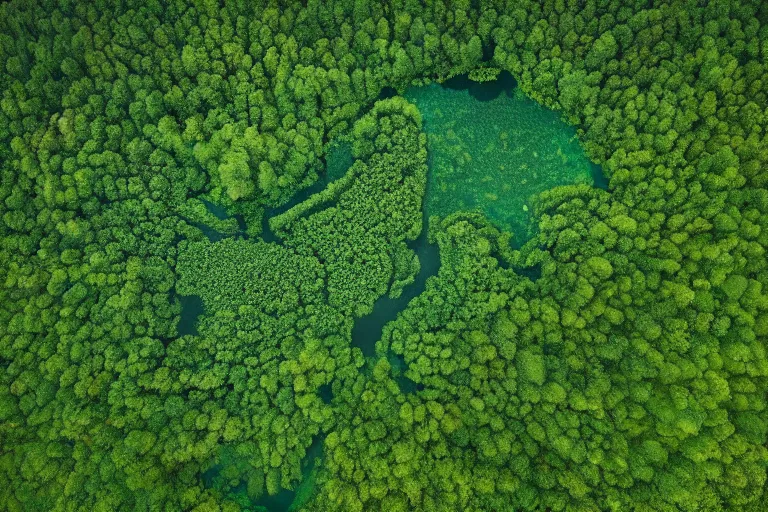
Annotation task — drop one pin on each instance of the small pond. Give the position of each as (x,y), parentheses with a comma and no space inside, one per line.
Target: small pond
(493,149)
(191,309)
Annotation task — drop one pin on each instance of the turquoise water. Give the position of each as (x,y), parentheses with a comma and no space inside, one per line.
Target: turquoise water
(493,149)
(490,148)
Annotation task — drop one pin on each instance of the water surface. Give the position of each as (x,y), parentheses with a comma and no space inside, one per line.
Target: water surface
(191,309)
(493,149)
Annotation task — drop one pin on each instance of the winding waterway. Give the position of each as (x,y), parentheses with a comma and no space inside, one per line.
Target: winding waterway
(491,149)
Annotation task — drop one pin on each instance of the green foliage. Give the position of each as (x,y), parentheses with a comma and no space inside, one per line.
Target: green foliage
(377,207)
(631,375)
(484,74)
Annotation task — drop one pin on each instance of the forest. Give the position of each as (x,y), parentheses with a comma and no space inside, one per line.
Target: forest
(410,255)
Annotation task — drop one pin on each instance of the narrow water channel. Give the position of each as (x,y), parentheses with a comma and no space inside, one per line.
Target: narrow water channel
(292,500)
(367,329)
(337,160)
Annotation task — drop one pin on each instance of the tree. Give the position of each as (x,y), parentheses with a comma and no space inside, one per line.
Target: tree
(603,49)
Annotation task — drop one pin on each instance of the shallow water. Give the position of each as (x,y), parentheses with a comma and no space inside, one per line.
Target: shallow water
(285,500)
(493,149)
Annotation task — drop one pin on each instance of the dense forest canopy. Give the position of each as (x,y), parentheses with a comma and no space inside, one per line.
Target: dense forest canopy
(615,361)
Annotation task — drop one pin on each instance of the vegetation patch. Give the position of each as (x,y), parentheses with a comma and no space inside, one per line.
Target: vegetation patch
(257,257)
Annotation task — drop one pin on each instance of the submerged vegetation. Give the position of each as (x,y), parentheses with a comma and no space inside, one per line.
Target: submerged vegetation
(492,149)
(329,257)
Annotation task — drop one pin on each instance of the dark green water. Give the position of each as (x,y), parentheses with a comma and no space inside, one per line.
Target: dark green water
(338,160)
(191,309)
(326,393)
(212,234)
(481,91)
(217,210)
(490,149)
(217,224)
(399,366)
(367,329)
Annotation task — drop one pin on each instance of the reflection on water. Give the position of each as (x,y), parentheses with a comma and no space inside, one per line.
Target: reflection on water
(481,91)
